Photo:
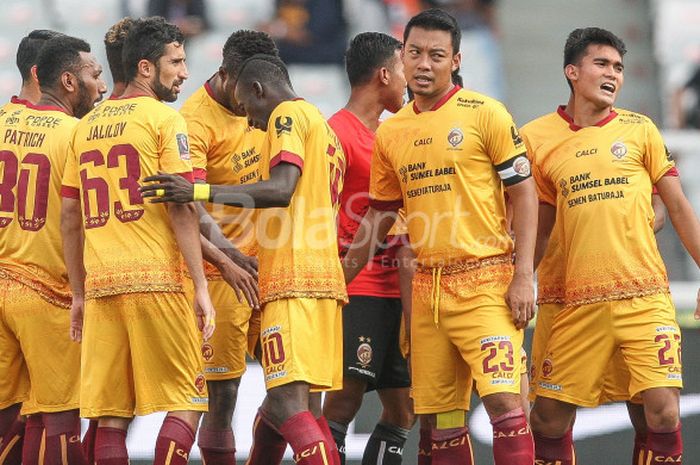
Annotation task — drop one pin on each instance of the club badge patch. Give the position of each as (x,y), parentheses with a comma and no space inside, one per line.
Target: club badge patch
(183,147)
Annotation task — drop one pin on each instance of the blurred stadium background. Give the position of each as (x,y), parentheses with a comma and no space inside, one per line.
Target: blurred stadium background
(515,55)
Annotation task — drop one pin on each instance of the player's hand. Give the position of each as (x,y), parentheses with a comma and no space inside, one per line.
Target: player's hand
(521,299)
(204,310)
(167,188)
(697,307)
(76,319)
(249,264)
(242,282)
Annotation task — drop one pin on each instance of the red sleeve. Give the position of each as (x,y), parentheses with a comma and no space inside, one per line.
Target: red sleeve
(189,176)
(69,192)
(287,157)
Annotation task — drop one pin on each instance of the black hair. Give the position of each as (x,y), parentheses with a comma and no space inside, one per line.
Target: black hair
(242,45)
(146,40)
(368,51)
(28,50)
(58,55)
(578,41)
(435,19)
(264,68)
(114,44)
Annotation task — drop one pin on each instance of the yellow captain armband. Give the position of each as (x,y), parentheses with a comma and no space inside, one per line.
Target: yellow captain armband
(202,192)
(453,419)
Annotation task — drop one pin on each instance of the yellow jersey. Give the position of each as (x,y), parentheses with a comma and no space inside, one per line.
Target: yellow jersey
(224,150)
(129,244)
(33,152)
(297,245)
(447,167)
(600,180)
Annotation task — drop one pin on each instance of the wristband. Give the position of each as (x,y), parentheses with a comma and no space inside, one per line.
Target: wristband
(202,192)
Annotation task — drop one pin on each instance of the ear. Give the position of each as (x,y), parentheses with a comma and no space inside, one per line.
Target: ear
(145,68)
(69,81)
(258,89)
(384,76)
(32,72)
(222,74)
(571,72)
(456,61)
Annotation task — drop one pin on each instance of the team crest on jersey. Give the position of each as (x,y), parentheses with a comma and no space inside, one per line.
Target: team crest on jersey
(517,140)
(619,150)
(283,125)
(183,147)
(207,352)
(364,351)
(521,165)
(455,137)
(547,368)
(200,383)
(564,188)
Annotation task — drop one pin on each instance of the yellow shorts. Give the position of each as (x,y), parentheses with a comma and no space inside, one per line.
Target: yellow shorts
(224,353)
(474,338)
(302,340)
(37,357)
(141,354)
(254,334)
(578,362)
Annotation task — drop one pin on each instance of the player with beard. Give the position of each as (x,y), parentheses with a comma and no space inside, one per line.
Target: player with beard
(13,432)
(36,295)
(140,351)
(595,166)
(447,159)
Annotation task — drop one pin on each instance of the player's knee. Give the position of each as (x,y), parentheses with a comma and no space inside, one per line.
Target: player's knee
(551,418)
(398,415)
(663,417)
(501,403)
(341,406)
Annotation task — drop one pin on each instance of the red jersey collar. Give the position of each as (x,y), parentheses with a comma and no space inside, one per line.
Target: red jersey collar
(440,102)
(44,107)
(574,127)
(19,101)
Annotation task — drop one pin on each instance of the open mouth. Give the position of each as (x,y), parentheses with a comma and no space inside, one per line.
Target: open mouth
(422,79)
(608,87)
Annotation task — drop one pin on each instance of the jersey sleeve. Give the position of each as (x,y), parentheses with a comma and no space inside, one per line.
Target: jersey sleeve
(199,138)
(70,182)
(384,186)
(286,135)
(504,145)
(657,158)
(546,191)
(174,153)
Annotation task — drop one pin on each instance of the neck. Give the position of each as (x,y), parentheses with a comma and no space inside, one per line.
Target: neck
(365,105)
(30,93)
(217,88)
(119,88)
(50,99)
(586,113)
(426,103)
(139,87)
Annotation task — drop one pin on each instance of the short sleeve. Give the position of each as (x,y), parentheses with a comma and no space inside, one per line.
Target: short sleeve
(384,185)
(546,191)
(657,159)
(286,134)
(174,153)
(70,183)
(199,138)
(504,145)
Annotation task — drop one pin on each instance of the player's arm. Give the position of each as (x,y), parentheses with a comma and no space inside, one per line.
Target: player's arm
(373,229)
(546,215)
(185,224)
(242,282)
(681,213)
(274,192)
(72,234)
(521,293)
(659,212)
(212,233)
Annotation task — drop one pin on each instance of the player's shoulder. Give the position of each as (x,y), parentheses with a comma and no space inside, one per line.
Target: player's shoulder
(542,123)
(628,117)
(197,104)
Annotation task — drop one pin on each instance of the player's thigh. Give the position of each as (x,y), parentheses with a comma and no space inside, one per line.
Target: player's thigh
(302,341)
(14,382)
(224,353)
(543,328)
(616,380)
(165,352)
(52,358)
(650,342)
(440,378)
(581,342)
(106,375)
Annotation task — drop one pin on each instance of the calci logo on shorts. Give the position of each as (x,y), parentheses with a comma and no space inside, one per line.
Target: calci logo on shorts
(273,353)
(364,352)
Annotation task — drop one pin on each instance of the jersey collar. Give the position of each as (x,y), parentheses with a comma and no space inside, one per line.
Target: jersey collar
(574,127)
(19,101)
(44,107)
(440,102)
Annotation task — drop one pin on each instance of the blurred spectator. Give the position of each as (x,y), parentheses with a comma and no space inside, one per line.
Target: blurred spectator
(189,15)
(686,103)
(399,12)
(309,31)
(482,65)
